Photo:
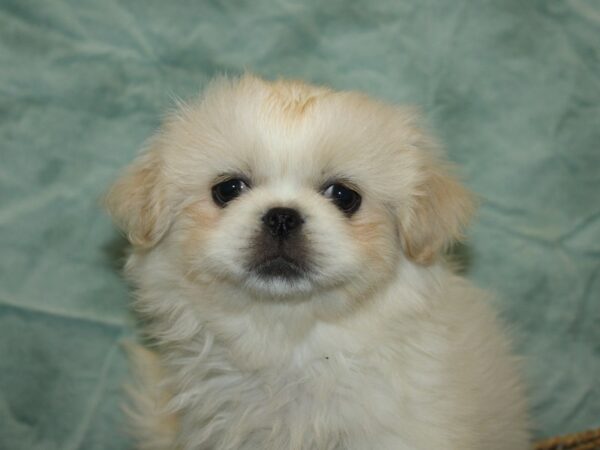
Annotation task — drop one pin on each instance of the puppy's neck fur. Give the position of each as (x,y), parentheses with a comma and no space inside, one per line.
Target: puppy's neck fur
(181,310)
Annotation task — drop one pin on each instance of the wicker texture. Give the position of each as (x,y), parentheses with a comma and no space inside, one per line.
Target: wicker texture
(587,440)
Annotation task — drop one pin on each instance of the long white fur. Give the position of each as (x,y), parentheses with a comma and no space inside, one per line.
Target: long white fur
(382,347)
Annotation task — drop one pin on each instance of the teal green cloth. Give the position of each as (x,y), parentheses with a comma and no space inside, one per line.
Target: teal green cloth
(512,87)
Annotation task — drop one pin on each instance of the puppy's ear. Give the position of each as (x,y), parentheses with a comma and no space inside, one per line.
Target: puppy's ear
(138,202)
(442,208)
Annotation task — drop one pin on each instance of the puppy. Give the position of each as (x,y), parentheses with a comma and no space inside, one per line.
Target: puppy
(287,244)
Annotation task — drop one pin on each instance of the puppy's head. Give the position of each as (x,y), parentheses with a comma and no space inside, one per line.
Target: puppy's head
(286,189)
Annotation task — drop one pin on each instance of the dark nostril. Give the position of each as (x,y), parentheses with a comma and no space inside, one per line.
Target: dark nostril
(282,221)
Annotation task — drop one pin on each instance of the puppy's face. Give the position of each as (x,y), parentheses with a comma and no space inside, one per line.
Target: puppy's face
(285,189)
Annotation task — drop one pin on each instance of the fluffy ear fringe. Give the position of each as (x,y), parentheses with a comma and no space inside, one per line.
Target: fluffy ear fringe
(137,201)
(443,208)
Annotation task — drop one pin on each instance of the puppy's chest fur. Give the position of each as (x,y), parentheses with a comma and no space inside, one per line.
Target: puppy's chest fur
(325,388)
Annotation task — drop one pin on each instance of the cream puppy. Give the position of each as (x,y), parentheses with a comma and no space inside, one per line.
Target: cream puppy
(287,245)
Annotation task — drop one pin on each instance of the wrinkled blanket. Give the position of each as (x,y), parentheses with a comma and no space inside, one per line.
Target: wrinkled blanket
(511,87)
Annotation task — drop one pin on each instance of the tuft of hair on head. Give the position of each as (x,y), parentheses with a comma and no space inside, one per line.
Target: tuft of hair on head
(294,98)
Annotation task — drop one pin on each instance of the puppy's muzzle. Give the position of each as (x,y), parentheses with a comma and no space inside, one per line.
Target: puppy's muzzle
(282,222)
(280,248)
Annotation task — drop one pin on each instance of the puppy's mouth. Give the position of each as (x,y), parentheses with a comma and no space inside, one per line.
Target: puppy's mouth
(280,266)
(279,259)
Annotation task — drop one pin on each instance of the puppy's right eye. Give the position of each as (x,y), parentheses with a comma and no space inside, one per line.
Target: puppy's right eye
(227,190)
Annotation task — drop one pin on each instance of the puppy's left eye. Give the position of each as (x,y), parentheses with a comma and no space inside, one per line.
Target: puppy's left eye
(227,190)
(347,200)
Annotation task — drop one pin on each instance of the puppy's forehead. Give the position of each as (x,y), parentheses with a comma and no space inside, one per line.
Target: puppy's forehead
(295,131)
(280,129)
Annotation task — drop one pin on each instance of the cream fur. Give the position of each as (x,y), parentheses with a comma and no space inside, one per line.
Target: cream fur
(380,347)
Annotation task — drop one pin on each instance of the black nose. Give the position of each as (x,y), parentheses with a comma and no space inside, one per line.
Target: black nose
(282,221)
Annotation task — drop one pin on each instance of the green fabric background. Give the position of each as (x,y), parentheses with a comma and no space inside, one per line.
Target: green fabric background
(512,87)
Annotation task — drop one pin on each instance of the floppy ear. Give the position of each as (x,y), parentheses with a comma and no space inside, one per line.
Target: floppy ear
(442,209)
(137,201)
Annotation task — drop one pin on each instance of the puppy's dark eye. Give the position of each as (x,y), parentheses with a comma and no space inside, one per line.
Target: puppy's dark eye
(347,200)
(227,190)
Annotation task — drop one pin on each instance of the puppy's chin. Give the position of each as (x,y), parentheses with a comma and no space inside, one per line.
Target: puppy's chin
(279,283)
